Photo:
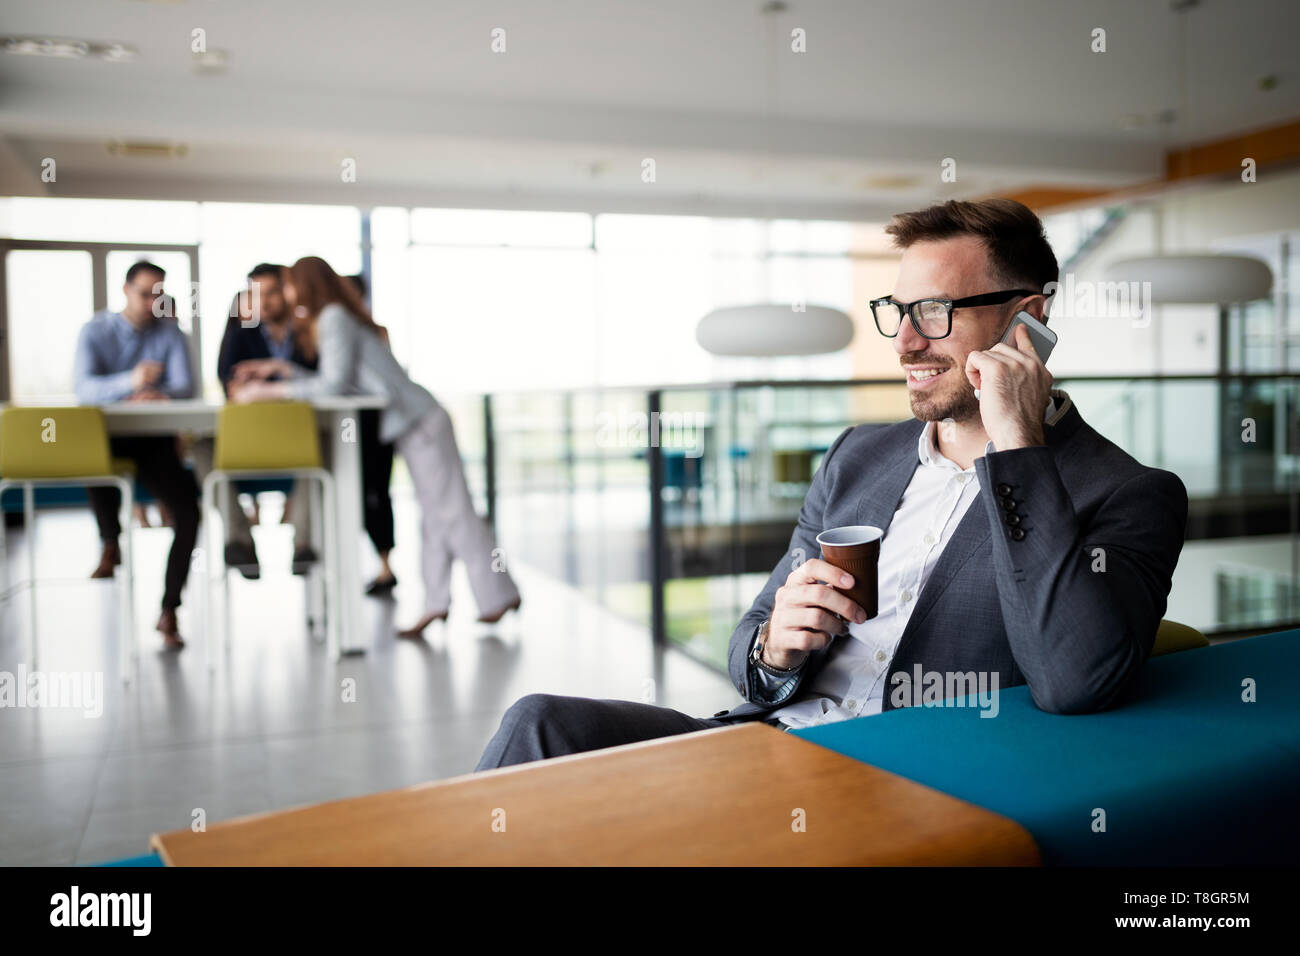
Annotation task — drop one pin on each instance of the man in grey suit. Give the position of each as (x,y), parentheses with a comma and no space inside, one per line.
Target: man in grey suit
(1020,546)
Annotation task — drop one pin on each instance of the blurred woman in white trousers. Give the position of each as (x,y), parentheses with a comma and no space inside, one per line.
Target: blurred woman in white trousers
(355,358)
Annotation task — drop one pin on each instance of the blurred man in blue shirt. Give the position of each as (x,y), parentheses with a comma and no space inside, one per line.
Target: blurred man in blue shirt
(133,354)
(140,354)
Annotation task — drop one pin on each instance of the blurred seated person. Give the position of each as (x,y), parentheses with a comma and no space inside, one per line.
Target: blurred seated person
(139,355)
(258,327)
(164,308)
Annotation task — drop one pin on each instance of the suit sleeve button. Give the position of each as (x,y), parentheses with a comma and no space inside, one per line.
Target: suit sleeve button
(1004,489)
(1013,519)
(1017,533)
(1008,504)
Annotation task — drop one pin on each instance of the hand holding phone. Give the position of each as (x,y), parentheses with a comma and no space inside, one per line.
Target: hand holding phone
(1044,339)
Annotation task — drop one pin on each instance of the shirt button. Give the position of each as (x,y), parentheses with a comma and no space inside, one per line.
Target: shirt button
(906,596)
(880,655)
(851,704)
(929,538)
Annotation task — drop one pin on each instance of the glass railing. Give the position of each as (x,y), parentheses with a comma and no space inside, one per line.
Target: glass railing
(671,506)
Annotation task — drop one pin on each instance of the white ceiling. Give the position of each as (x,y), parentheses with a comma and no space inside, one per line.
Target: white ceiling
(589,88)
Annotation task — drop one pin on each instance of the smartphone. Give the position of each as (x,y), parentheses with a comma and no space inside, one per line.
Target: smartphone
(1044,339)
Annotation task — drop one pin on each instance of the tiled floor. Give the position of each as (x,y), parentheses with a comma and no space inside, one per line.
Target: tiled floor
(271,728)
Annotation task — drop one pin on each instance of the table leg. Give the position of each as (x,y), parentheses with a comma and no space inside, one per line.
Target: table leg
(29,527)
(346,466)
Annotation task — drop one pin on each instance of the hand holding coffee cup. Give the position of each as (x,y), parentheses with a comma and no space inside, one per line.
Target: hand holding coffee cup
(809,612)
(855,549)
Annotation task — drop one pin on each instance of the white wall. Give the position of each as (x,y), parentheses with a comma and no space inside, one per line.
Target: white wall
(1179,339)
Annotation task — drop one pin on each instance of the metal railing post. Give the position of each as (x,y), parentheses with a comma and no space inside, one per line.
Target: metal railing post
(658,623)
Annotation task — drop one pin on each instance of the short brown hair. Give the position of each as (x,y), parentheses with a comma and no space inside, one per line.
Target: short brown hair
(1019,253)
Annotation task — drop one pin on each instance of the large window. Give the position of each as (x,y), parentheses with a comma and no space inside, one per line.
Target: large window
(475,300)
(51,291)
(542,300)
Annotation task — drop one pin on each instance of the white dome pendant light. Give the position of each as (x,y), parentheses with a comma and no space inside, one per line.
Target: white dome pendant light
(773,329)
(1193,277)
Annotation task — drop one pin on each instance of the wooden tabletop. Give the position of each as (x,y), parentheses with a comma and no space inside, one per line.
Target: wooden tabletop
(732,796)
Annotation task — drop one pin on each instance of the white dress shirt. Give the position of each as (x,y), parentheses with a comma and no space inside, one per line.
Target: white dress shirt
(851,683)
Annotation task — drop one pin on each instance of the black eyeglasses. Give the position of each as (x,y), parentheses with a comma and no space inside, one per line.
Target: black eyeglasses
(932,318)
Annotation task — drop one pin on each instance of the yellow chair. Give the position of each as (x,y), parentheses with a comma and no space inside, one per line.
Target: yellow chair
(1172,637)
(265,440)
(61,446)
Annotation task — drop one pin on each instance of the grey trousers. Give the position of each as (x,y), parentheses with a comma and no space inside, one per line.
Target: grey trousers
(450,528)
(548,725)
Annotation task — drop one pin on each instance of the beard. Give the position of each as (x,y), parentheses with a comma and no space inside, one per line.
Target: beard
(957,403)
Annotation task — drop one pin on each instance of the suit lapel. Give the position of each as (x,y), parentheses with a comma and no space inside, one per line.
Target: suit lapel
(895,457)
(880,500)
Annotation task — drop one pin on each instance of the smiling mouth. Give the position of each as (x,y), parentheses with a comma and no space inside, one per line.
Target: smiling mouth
(924,374)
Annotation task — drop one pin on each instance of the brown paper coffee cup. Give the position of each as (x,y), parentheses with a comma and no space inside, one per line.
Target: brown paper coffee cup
(856,549)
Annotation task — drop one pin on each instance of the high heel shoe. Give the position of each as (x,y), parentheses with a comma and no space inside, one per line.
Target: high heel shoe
(493,618)
(380,587)
(418,629)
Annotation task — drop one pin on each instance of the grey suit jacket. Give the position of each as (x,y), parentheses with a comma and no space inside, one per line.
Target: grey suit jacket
(1070,606)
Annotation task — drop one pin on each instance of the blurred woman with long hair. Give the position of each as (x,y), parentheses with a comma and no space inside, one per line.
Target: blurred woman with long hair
(353,357)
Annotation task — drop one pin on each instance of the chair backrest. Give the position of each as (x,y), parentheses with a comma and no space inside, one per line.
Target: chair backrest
(66,441)
(266,436)
(1172,636)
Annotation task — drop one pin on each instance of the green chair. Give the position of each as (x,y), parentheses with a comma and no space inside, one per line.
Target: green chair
(267,440)
(60,446)
(1172,637)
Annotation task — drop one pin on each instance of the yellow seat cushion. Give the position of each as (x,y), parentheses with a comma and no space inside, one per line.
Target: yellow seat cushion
(1172,637)
(266,436)
(53,442)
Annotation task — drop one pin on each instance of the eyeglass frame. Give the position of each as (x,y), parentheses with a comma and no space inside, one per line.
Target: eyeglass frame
(967,302)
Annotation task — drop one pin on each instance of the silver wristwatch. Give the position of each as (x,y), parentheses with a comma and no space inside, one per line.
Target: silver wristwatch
(756,654)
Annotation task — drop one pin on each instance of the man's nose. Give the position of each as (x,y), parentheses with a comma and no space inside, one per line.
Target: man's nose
(908,339)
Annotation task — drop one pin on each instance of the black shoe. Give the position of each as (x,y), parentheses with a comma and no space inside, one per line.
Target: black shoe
(108,560)
(303,559)
(381,586)
(243,558)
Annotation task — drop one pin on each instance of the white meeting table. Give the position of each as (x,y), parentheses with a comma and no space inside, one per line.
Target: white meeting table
(199,417)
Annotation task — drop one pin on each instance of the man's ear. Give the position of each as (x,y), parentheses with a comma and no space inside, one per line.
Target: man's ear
(1036,306)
